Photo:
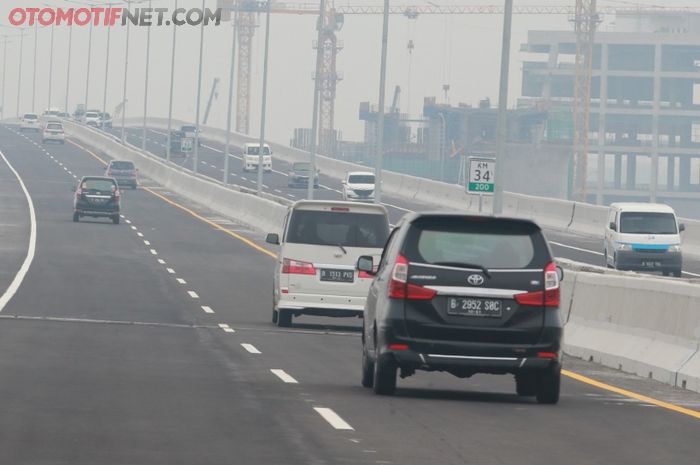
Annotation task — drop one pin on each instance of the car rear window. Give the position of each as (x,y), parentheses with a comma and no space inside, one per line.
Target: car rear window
(54,126)
(338,228)
(361,179)
(122,165)
(91,115)
(102,185)
(255,151)
(491,244)
(30,116)
(648,223)
(303,166)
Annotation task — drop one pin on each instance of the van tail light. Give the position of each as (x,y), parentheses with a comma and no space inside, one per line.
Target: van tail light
(290,266)
(550,297)
(399,288)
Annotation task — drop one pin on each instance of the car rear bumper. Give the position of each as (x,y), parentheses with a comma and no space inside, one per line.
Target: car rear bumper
(59,138)
(637,260)
(322,305)
(89,210)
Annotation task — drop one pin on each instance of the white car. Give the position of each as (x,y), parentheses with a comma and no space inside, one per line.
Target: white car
(50,114)
(92,118)
(315,273)
(251,157)
(359,186)
(30,122)
(53,132)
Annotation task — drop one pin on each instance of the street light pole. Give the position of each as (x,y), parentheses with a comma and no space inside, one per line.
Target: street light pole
(264,99)
(126,73)
(36,43)
(145,98)
(19,79)
(4,68)
(50,67)
(172,82)
(70,44)
(379,156)
(104,100)
(87,79)
(230,94)
(317,91)
(199,96)
(502,109)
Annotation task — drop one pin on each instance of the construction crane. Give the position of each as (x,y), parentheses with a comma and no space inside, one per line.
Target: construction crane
(333,20)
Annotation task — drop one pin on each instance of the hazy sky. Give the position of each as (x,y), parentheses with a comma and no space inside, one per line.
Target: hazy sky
(463,51)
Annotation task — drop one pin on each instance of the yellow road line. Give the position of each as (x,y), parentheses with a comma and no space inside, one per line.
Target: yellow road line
(570,374)
(630,394)
(241,238)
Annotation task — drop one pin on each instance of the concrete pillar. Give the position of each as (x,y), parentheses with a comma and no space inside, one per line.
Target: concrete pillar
(670,173)
(601,122)
(631,172)
(654,184)
(618,171)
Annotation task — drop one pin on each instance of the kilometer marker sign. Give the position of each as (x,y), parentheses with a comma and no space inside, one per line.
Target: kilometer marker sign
(482,174)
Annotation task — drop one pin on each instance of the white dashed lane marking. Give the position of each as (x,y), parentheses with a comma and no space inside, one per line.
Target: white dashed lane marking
(153,251)
(226,328)
(281,374)
(181,281)
(333,419)
(193,294)
(170,270)
(207,309)
(250,348)
(161,261)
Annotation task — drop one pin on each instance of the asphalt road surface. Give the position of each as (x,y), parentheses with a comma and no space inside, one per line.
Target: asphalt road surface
(150,343)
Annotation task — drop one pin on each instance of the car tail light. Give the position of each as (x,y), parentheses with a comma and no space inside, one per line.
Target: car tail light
(290,266)
(549,355)
(399,288)
(550,297)
(398,346)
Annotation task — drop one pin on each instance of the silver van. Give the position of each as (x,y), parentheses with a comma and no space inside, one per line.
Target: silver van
(315,271)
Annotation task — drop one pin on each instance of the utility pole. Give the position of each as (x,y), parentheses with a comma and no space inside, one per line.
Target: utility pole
(502,128)
(230,94)
(36,43)
(317,91)
(4,68)
(87,78)
(379,155)
(19,79)
(50,67)
(104,101)
(264,99)
(70,44)
(126,74)
(199,96)
(145,93)
(172,82)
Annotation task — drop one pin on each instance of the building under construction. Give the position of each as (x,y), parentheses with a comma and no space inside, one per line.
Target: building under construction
(644,127)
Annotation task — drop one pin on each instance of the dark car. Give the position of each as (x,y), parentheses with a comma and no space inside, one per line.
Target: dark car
(124,172)
(299,174)
(97,196)
(192,132)
(464,295)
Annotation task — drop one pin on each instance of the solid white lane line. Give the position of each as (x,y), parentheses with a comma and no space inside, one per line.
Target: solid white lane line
(281,374)
(19,277)
(227,328)
(153,251)
(193,294)
(181,281)
(161,261)
(251,348)
(207,309)
(600,254)
(170,270)
(333,419)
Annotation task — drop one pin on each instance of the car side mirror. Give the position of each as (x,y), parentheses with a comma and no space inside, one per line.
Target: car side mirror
(366,264)
(613,227)
(273,238)
(681,227)
(560,273)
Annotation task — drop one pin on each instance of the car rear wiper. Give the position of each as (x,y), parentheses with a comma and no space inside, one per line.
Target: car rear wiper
(343,249)
(466,265)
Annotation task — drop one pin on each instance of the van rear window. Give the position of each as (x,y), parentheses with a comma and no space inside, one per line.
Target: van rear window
(491,244)
(338,228)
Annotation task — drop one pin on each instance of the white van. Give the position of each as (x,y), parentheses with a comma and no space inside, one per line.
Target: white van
(643,237)
(251,157)
(321,242)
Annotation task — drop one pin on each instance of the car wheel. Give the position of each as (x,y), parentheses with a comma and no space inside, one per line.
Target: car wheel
(274,316)
(284,318)
(384,374)
(367,369)
(548,386)
(115,219)
(525,384)
(76,217)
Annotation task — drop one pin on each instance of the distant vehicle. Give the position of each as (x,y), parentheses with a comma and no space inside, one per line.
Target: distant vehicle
(251,157)
(315,273)
(464,295)
(105,121)
(643,237)
(98,197)
(63,114)
(124,172)
(53,132)
(79,112)
(92,118)
(30,122)
(359,186)
(300,173)
(181,142)
(192,132)
(51,113)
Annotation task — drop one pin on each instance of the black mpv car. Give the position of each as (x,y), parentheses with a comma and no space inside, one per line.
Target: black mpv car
(465,295)
(97,196)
